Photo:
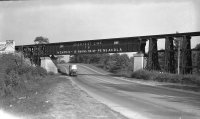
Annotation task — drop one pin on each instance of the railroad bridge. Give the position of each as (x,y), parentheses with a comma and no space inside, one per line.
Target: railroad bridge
(125,44)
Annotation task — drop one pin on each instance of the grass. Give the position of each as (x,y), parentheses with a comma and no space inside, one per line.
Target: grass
(15,74)
(159,76)
(31,101)
(22,87)
(166,77)
(183,82)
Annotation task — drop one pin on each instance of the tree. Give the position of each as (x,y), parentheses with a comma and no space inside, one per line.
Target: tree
(113,63)
(63,62)
(72,59)
(103,61)
(124,61)
(59,58)
(41,40)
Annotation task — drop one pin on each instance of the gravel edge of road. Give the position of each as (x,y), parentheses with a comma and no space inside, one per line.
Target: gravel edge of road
(157,84)
(74,104)
(118,114)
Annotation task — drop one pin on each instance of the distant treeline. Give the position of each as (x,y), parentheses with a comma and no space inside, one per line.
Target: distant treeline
(115,63)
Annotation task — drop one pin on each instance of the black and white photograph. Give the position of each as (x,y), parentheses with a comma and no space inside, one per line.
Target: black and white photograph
(99,59)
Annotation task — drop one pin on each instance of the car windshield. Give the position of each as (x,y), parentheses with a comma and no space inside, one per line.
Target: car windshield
(74,67)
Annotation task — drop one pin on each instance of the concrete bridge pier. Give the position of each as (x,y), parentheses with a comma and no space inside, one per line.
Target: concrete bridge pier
(139,62)
(48,64)
(139,58)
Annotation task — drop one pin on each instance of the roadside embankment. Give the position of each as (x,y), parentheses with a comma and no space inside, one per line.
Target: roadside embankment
(57,98)
(184,82)
(19,82)
(30,93)
(70,102)
(190,82)
(17,75)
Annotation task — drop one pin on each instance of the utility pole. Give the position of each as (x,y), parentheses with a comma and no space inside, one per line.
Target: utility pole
(179,52)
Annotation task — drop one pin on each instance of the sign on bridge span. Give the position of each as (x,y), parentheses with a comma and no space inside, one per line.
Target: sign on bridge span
(113,45)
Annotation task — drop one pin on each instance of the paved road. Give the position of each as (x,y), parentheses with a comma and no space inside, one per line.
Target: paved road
(136,100)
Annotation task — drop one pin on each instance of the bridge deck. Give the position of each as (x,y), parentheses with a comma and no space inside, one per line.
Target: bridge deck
(111,45)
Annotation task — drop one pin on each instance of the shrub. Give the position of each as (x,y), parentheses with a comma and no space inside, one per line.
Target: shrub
(62,62)
(19,69)
(28,76)
(191,79)
(14,77)
(23,69)
(39,71)
(166,77)
(141,74)
(99,65)
(51,73)
(2,87)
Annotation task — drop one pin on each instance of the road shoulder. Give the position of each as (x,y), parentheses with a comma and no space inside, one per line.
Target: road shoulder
(69,101)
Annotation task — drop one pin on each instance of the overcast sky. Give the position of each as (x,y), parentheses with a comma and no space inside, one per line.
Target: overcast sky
(70,20)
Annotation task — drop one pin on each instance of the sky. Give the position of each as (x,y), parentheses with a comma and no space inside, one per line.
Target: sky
(72,20)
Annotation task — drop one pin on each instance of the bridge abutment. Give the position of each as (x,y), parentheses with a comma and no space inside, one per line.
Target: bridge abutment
(139,62)
(48,64)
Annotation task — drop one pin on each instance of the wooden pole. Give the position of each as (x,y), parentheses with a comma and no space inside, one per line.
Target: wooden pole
(179,54)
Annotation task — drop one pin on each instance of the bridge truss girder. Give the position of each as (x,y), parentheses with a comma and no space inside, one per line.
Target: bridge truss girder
(117,45)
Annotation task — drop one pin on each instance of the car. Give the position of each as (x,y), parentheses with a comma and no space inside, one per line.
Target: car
(72,70)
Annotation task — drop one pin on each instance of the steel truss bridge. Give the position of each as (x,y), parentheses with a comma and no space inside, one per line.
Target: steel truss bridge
(117,45)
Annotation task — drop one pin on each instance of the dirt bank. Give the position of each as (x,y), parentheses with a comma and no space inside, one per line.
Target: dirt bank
(67,101)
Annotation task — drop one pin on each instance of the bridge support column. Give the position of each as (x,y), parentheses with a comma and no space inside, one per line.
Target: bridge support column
(35,60)
(139,58)
(142,46)
(139,62)
(48,64)
(152,62)
(186,59)
(169,55)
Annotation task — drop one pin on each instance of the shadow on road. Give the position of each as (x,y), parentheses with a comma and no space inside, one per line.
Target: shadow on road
(63,73)
(108,75)
(96,74)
